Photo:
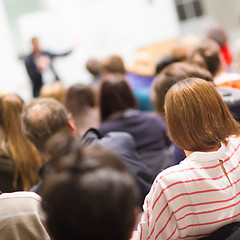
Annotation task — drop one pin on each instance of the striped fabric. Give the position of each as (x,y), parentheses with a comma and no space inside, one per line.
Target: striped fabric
(21,217)
(194,198)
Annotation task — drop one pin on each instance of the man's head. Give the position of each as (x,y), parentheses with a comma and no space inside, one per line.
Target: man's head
(170,75)
(42,118)
(89,194)
(35,44)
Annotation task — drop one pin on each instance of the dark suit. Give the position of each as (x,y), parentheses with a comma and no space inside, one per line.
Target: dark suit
(35,75)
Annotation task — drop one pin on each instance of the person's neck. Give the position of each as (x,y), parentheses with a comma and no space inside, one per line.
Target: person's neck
(188,153)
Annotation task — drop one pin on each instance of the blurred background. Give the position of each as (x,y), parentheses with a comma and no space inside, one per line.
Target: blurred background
(101,27)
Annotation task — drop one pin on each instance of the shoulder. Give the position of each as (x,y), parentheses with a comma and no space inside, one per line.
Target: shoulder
(20,195)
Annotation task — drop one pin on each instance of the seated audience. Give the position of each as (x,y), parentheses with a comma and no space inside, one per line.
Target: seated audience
(42,118)
(207,54)
(98,193)
(81,103)
(19,159)
(200,195)
(22,217)
(53,90)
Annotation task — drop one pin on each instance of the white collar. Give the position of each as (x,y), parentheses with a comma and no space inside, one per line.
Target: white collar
(207,156)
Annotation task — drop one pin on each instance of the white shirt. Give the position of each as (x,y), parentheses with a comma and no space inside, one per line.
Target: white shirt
(194,198)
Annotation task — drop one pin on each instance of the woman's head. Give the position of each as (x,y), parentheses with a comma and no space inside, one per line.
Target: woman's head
(206,54)
(11,107)
(197,117)
(115,96)
(24,155)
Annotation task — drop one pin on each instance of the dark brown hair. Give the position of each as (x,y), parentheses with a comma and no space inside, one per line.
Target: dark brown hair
(113,64)
(115,96)
(96,190)
(197,117)
(80,97)
(206,54)
(169,76)
(42,118)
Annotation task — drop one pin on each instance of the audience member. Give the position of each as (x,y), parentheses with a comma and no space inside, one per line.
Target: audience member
(123,144)
(20,160)
(81,103)
(218,34)
(22,217)
(42,118)
(118,113)
(89,195)
(179,71)
(200,123)
(53,90)
(94,67)
(207,54)
(113,64)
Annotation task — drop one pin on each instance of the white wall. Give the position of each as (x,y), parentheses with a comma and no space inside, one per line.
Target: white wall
(103,27)
(12,73)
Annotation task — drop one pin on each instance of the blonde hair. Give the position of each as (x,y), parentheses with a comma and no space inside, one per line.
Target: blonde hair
(26,158)
(197,117)
(54,90)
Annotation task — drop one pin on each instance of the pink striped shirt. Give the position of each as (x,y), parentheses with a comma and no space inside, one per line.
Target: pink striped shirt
(194,198)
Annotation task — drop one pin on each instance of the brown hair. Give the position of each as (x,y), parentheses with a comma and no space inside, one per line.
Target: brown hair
(206,54)
(113,64)
(115,96)
(169,76)
(81,103)
(42,118)
(25,156)
(54,90)
(95,188)
(197,117)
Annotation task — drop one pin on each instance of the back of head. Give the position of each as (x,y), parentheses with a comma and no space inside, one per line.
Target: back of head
(113,64)
(218,34)
(206,54)
(54,90)
(169,76)
(24,155)
(197,117)
(115,95)
(42,118)
(94,66)
(94,197)
(79,98)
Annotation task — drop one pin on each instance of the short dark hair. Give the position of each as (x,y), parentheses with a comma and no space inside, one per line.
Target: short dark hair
(206,54)
(79,97)
(196,116)
(92,197)
(94,66)
(115,95)
(170,75)
(42,118)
